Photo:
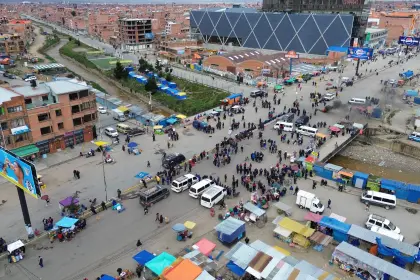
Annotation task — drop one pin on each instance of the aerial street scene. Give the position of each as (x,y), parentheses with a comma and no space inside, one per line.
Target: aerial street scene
(275,140)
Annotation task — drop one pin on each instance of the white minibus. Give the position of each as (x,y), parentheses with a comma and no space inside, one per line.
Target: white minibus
(197,189)
(357,101)
(212,196)
(378,198)
(286,126)
(183,183)
(307,130)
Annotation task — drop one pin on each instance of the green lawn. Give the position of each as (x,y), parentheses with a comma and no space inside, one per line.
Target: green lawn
(200,98)
(106,63)
(68,50)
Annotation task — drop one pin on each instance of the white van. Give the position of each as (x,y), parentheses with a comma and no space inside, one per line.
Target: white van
(378,198)
(197,189)
(307,130)
(382,222)
(212,196)
(357,101)
(414,136)
(389,233)
(183,183)
(286,126)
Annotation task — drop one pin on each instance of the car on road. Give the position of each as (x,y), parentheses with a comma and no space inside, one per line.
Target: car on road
(30,78)
(111,132)
(302,120)
(152,195)
(287,117)
(101,110)
(172,160)
(8,75)
(257,93)
(135,131)
(328,96)
(382,222)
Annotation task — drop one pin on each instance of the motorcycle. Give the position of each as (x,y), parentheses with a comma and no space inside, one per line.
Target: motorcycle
(89,154)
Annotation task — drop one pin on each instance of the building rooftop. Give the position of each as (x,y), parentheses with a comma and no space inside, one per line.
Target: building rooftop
(63,87)
(6,95)
(28,91)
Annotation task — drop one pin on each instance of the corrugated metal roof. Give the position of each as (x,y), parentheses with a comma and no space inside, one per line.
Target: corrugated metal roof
(229,225)
(6,95)
(64,87)
(375,262)
(29,91)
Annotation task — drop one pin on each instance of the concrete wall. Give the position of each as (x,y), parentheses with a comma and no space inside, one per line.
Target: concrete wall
(397,146)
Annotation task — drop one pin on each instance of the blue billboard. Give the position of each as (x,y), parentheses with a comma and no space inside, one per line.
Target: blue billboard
(360,53)
(149,36)
(408,41)
(19,172)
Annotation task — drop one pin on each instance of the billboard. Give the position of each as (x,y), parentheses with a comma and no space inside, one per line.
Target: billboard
(291,54)
(360,53)
(408,41)
(19,172)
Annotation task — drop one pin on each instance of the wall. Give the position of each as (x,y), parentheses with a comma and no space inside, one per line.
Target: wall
(397,146)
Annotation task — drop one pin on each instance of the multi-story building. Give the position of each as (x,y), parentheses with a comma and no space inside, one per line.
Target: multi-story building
(15,132)
(135,33)
(301,6)
(22,27)
(12,44)
(375,37)
(60,114)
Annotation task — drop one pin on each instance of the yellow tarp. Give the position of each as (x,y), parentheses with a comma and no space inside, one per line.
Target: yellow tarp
(281,250)
(157,127)
(294,226)
(189,224)
(301,240)
(181,116)
(182,94)
(123,108)
(100,143)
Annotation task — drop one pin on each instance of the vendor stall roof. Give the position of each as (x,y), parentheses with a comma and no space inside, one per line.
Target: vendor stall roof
(159,263)
(282,231)
(204,246)
(333,167)
(258,263)
(294,226)
(15,245)
(185,270)
(66,222)
(313,217)
(254,209)
(338,217)
(143,257)
(229,226)
(107,277)
(241,254)
(67,201)
(205,276)
(375,262)
(311,269)
(334,224)
(271,251)
(370,236)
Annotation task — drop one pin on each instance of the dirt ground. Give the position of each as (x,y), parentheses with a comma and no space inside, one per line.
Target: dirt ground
(39,41)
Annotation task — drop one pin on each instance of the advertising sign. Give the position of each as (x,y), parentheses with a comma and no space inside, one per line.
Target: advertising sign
(408,41)
(19,172)
(360,53)
(291,54)
(149,35)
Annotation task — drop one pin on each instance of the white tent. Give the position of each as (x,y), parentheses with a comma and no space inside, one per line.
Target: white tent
(15,245)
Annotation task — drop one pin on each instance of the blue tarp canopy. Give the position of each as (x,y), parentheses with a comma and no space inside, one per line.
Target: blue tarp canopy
(385,251)
(407,74)
(158,264)
(143,257)
(66,222)
(334,224)
(411,92)
(107,277)
(171,120)
(141,175)
(235,269)
(234,95)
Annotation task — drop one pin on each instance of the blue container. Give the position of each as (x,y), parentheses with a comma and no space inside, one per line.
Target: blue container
(413,196)
(377,113)
(327,174)
(360,179)
(417,100)
(402,193)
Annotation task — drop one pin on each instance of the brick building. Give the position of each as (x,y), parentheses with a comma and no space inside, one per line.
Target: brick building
(21,27)
(12,44)
(135,33)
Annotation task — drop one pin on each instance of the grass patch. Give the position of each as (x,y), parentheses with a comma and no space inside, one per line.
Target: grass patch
(68,50)
(200,98)
(50,42)
(97,86)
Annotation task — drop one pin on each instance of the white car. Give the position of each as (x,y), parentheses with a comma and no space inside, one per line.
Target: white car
(329,96)
(381,222)
(30,78)
(111,132)
(102,110)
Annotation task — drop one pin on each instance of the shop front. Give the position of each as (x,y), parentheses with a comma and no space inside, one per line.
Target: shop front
(26,151)
(43,146)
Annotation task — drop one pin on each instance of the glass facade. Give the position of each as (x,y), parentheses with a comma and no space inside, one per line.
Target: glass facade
(303,33)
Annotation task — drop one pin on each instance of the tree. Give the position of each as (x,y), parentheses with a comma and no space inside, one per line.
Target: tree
(158,66)
(166,69)
(169,77)
(151,85)
(119,71)
(78,42)
(73,13)
(161,74)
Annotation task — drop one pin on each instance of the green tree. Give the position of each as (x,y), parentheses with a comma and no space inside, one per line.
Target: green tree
(161,74)
(158,66)
(169,77)
(119,72)
(166,69)
(78,42)
(73,13)
(70,38)
(151,85)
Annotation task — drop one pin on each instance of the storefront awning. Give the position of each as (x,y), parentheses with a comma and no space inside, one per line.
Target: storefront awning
(20,130)
(25,150)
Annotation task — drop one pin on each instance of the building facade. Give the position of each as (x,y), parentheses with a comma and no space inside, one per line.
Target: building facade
(300,6)
(303,33)
(375,38)
(12,44)
(135,34)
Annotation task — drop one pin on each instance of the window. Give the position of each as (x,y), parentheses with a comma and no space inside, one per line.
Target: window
(83,93)
(17,122)
(378,223)
(371,221)
(4,126)
(46,130)
(28,101)
(43,117)
(388,201)
(73,96)
(87,118)
(86,105)
(58,112)
(45,98)
(21,137)
(60,125)
(75,109)
(14,109)
(377,198)
(77,121)
(7,140)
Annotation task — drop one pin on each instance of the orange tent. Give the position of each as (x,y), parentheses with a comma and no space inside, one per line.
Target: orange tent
(197,56)
(185,270)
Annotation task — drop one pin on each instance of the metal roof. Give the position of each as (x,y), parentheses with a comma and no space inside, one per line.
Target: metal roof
(48,66)
(229,226)
(6,95)
(28,91)
(375,262)
(63,87)
(370,236)
(241,255)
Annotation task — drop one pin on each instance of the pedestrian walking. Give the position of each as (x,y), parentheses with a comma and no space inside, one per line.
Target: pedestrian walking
(153,137)
(78,174)
(103,205)
(146,210)
(296,190)
(119,194)
(148,163)
(329,204)
(74,174)
(40,261)
(161,219)
(157,217)
(367,207)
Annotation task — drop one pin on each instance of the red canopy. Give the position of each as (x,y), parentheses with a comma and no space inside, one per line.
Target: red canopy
(313,217)
(334,129)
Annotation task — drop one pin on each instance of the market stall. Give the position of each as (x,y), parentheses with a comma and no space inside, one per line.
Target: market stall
(300,232)
(338,230)
(204,246)
(16,251)
(256,215)
(283,208)
(313,219)
(230,230)
(239,258)
(156,266)
(143,257)
(66,229)
(70,207)
(182,269)
(158,130)
(360,263)
(258,264)
(107,277)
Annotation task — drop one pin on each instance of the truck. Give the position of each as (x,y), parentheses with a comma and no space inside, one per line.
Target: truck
(309,201)
(118,115)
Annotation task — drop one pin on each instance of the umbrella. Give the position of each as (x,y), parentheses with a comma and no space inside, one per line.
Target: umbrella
(100,143)
(181,117)
(132,145)
(178,227)
(141,175)
(189,225)
(45,197)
